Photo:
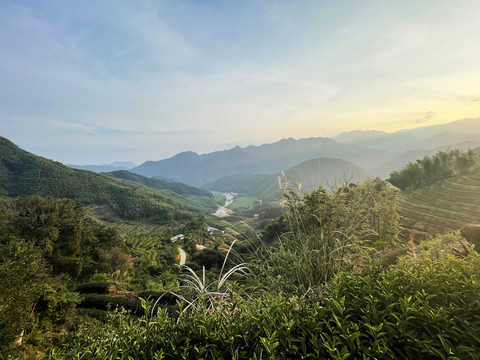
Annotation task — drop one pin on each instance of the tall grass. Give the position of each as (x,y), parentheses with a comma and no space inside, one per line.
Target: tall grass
(304,258)
(200,294)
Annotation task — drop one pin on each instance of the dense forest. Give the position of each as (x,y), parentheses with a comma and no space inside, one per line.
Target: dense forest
(160,184)
(22,173)
(47,246)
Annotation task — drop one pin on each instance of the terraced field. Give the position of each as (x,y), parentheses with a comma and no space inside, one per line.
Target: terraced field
(442,207)
(138,230)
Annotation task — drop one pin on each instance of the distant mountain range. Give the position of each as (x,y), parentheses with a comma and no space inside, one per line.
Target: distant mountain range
(199,170)
(376,151)
(422,138)
(117,165)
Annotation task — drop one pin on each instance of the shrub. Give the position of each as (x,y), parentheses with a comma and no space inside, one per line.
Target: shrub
(417,309)
(98,287)
(105,302)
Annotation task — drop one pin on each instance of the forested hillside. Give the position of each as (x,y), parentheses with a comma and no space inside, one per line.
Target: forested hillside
(160,184)
(22,173)
(435,168)
(46,246)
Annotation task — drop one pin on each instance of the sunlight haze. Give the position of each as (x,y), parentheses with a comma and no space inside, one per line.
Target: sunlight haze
(91,82)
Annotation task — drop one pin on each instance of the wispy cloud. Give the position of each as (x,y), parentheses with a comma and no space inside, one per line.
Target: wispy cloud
(429,115)
(62,125)
(149,78)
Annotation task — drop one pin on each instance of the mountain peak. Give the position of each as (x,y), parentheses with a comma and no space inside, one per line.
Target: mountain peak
(186,155)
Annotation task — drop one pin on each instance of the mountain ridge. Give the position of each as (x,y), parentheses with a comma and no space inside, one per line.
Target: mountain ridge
(23,173)
(312,173)
(272,158)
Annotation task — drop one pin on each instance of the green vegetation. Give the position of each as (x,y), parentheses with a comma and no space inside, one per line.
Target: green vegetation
(432,169)
(220,199)
(154,263)
(321,234)
(242,202)
(46,246)
(160,184)
(442,207)
(323,281)
(22,173)
(419,309)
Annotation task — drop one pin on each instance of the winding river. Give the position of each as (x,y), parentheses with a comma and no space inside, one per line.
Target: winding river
(222,211)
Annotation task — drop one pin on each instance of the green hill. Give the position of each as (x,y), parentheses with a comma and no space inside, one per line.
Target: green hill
(258,185)
(160,184)
(311,173)
(442,207)
(23,173)
(330,172)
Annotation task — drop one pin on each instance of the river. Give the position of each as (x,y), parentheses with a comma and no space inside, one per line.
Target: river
(222,211)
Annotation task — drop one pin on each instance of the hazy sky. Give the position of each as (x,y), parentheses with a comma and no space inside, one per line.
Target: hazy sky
(90,82)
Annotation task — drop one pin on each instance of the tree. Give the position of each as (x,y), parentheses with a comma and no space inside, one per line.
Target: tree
(23,275)
(324,231)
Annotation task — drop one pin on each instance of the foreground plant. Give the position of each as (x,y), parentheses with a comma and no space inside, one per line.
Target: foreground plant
(419,309)
(198,293)
(323,234)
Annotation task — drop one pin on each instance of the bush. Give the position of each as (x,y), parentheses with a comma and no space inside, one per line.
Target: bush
(97,314)
(418,309)
(98,287)
(105,302)
(167,298)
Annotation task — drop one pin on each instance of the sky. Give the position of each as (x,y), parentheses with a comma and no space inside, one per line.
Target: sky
(92,82)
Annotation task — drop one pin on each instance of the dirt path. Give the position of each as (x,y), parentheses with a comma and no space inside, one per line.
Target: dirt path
(183,256)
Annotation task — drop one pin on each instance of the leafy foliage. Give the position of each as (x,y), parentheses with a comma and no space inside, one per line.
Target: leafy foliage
(23,274)
(320,232)
(46,245)
(415,310)
(68,241)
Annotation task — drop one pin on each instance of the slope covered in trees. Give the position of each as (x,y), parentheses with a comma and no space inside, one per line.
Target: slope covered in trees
(435,168)
(22,173)
(46,246)
(160,184)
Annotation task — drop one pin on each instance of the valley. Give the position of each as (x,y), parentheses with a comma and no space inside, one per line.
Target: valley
(260,230)
(244,180)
